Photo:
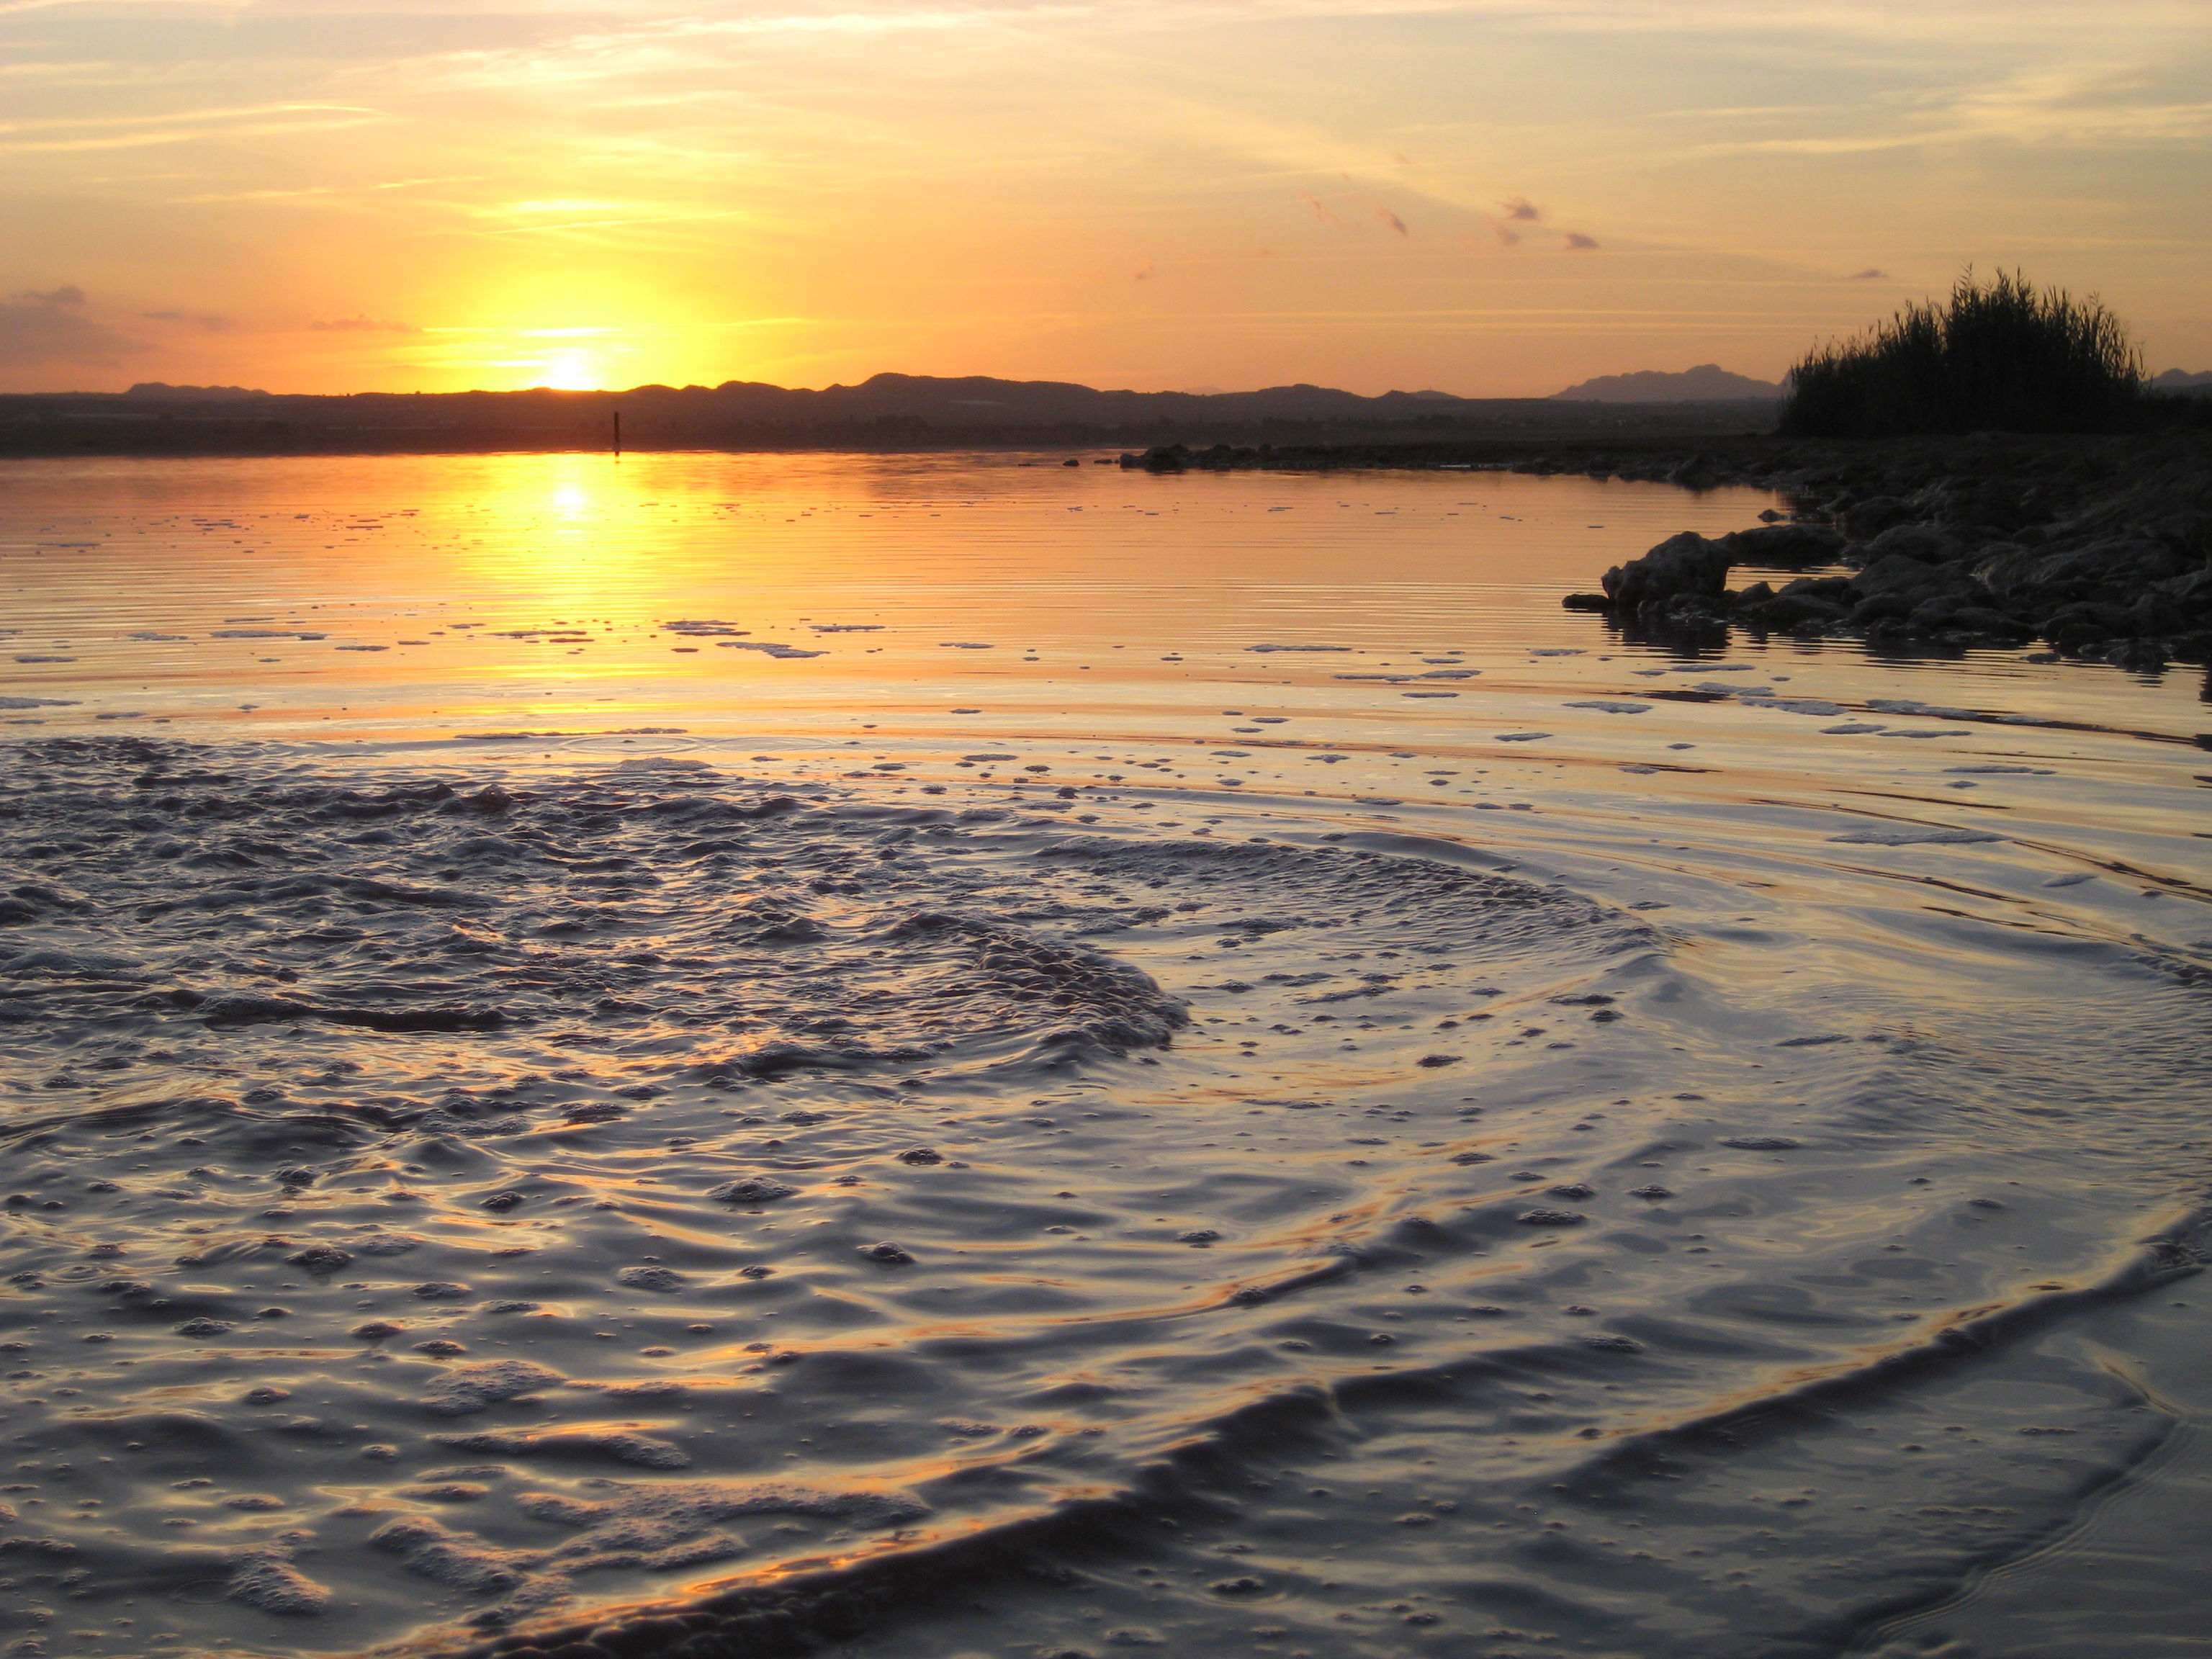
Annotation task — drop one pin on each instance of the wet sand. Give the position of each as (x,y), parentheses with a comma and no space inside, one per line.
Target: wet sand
(948,1198)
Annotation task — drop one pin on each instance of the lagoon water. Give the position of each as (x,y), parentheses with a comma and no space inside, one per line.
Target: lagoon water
(1026,1059)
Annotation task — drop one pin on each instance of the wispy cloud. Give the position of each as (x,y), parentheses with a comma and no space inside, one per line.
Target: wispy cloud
(2072,106)
(193,117)
(144,131)
(362,324)
(40,333)
(205,322)
(307,191)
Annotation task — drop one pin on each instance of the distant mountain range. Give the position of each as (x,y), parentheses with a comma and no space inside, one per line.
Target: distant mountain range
(1708,383)
(970,400)
(978,400)
(886,412)
(163,392)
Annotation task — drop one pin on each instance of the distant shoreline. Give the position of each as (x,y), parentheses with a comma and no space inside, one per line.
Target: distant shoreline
(1307,444)
(887,414)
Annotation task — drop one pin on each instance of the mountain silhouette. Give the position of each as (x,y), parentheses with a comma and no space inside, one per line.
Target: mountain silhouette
(1708,383)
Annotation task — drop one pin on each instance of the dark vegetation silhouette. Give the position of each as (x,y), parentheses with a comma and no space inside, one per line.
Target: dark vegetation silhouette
(1999,355)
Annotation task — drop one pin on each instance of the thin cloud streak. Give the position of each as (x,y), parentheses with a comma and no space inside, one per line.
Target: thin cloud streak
(183,115)
(143,140)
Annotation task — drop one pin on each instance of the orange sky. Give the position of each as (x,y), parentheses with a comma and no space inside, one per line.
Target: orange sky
(1488,197)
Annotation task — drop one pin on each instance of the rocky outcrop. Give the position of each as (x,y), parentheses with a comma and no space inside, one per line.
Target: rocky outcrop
(2099,547)
(1687,565)
(1789,546)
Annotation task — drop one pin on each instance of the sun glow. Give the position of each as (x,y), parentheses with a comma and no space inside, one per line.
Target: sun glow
(571,371)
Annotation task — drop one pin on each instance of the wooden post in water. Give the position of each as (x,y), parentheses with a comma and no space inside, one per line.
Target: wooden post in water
(618,435)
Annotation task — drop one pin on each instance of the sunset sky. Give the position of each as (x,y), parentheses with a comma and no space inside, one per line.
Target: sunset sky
(1487,196)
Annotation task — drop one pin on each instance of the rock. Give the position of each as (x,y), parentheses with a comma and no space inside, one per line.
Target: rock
(1910,579)
(1981,619)
(1869,519)
(2071,627)
(1880,608)
(1791,611)
(1836,589)
(1791,546)
(2153,614)
(2118,565)
(2139,656)
(1687,564)
(752,1189)
(2192,593)
(1924,541)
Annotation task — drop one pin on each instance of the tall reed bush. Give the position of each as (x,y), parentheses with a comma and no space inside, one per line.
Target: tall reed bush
(1999,354)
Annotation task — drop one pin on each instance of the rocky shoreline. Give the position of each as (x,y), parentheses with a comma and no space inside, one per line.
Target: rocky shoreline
(2101,547)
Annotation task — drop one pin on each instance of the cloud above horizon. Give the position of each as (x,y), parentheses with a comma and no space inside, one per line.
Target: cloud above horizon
(362,324)
(46,330)
(809,192)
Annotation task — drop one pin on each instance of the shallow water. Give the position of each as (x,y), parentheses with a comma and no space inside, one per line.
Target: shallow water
(1460,1135)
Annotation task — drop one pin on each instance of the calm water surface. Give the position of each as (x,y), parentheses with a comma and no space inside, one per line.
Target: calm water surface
(1069,1060)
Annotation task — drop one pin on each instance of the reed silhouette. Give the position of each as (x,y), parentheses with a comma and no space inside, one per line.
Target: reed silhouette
(1996,355)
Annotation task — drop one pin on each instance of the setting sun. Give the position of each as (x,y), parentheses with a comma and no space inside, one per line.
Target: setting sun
(571,371)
